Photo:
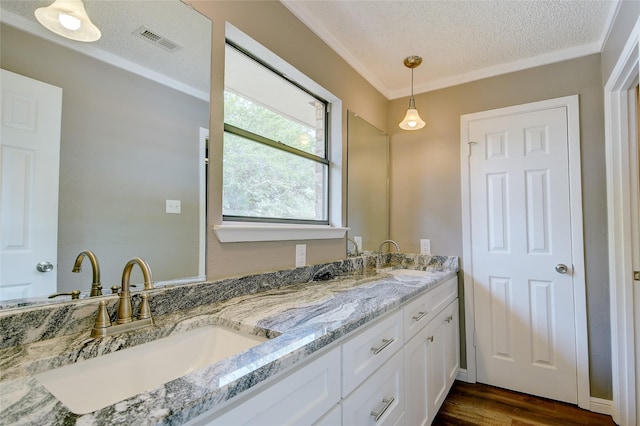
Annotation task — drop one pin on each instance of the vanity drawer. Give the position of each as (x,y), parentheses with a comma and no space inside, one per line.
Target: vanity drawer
(367,351)
(380,399)
(425,307)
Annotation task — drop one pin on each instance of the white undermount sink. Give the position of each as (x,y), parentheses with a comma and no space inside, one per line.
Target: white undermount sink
(93,384)
(409,272)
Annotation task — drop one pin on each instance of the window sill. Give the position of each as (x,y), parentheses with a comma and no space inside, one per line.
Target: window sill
(245,232)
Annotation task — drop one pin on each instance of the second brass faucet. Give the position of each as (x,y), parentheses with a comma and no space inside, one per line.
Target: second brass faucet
(124,305)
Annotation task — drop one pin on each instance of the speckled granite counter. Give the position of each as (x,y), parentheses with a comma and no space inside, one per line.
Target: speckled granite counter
(298,318)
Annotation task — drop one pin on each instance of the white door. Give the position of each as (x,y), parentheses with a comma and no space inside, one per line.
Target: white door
(29,161)
(522,254)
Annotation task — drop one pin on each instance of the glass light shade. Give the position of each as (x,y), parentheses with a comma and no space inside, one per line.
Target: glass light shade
(62,16)
(412,120)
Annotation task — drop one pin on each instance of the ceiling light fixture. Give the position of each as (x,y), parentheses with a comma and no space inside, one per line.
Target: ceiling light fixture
(69,19)
(412,120)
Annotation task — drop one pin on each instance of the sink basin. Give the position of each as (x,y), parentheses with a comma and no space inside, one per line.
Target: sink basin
(407,275)
(93,384)
(409,272)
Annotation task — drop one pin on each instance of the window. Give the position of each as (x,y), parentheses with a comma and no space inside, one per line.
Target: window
(312,159)
(276,155)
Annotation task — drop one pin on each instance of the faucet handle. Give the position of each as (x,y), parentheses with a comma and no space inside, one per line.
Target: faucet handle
(145,309)
(75,295)
(102,321)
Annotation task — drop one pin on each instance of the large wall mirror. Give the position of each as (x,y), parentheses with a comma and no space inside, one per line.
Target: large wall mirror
(134,126)
(368,183)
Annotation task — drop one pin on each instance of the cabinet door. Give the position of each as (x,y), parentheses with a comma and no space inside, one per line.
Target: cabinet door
(452,343)
(431,366)
(302,397)
(443,357)
(380,399)
(416,364)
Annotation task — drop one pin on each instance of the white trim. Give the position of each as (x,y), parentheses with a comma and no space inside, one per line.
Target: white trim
(580,306)
(601,406)
(462,375)
(202,183)
(618,132)
(249,232)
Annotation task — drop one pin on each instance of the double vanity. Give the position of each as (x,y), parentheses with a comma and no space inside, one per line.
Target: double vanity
(339,343)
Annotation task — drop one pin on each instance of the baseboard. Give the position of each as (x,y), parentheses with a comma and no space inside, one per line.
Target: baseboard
(462,375)
(601,406)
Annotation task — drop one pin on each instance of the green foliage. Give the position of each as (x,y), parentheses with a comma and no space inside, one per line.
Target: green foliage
(261,181)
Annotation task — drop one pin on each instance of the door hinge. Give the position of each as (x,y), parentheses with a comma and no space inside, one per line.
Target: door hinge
(636,275)
(474,338)
(470,143)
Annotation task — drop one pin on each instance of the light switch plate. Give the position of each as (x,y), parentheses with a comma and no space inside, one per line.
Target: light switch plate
(173,206)
(425,246)
(301,255)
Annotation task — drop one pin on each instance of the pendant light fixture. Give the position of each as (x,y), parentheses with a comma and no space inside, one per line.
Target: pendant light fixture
(69,19)
(412,120)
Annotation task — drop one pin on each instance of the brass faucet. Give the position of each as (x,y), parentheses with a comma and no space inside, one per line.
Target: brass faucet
(96,287)
(124,321)
(124,307)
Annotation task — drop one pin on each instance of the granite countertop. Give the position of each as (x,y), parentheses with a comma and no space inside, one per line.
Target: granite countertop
(298,320)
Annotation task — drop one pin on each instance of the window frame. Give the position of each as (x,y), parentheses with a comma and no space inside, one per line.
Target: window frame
(231,230)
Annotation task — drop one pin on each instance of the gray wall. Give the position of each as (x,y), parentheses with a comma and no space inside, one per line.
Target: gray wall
(425,176)
(127,145)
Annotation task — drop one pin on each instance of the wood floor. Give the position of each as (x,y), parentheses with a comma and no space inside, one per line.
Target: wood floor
(477,404)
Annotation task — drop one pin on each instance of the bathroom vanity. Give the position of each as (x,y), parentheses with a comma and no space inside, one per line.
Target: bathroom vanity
(350,347)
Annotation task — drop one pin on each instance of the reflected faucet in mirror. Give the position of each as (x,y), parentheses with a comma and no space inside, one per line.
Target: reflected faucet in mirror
(96,287)
(355,244)
(379,260)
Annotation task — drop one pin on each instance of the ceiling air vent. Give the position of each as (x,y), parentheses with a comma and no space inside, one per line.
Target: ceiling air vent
(153,37)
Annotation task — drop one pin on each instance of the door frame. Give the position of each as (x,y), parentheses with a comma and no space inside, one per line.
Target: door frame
(575,184)
(620,131)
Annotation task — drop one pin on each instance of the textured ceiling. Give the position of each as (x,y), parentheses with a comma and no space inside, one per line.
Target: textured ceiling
(459,40)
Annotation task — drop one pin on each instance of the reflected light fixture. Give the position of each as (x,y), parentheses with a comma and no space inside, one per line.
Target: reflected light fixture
(412,120)
(67,18)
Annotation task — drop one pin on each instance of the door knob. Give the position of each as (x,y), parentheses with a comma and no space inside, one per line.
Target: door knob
(44,267)
(561,268)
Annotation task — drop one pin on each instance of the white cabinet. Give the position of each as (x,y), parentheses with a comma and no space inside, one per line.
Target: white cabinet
(431,364)
(302,397)
(380,398)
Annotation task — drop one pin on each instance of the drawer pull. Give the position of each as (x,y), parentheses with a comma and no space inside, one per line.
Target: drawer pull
(387,404)
(420,316)
(385,343)
(449,319)
(430,338)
